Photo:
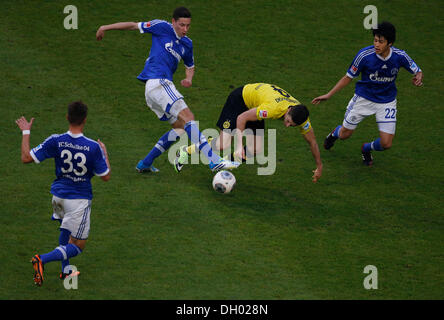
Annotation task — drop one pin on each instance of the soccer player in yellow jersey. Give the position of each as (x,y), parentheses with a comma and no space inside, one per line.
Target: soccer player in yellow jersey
(246,108)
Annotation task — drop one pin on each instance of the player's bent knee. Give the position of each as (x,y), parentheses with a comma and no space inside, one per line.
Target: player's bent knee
(78,242)
(386,144)
(345,133)
(186,115)
(386,140)
(178,126)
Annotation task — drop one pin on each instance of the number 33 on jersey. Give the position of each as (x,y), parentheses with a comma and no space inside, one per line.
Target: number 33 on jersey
(77,159)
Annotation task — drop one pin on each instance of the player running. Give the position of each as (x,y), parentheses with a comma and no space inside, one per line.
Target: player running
(246,108)
(77,160)
(375,93)
(169,45)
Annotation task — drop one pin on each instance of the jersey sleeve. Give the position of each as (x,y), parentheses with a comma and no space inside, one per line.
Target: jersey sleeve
(153,26)
(357,64)
(408,63)
(100,166)
(188,58)
(305,127)
(47,149)
(264,112)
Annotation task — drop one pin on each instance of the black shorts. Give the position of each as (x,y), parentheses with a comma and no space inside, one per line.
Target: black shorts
(234,106)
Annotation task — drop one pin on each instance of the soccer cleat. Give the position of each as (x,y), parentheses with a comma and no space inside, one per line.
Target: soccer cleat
(181,157)
(37,264)
(329,141)
(142,168)
(367,158)
(223,164)
(63,276)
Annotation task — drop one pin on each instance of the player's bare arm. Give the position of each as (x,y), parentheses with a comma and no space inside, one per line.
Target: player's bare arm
(105,152)
(311,140)
(115,26)
(25,126)
(241,122)
(188,81)
(417,79)
(342,83)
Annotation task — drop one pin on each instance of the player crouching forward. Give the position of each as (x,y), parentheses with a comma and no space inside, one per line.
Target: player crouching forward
(375,93)
(246,108)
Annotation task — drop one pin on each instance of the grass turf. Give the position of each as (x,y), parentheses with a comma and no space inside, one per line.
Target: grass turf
(171,236)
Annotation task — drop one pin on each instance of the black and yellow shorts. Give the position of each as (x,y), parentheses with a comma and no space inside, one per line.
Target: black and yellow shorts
(234,106)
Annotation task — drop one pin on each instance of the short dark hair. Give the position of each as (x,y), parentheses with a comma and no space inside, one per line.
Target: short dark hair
(387,30)
(181,12)
(77,112)
(299,114)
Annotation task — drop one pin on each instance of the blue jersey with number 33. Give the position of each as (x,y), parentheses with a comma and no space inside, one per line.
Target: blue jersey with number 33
(77,159)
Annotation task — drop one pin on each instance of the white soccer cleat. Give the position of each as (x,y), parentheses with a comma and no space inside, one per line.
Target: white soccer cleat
(223,164)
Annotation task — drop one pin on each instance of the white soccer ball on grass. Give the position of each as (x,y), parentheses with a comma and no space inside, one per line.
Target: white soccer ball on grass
(224,181)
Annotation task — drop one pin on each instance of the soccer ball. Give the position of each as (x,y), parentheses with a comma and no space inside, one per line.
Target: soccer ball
(224,181)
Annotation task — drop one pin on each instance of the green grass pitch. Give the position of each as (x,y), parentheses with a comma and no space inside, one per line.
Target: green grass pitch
(171,236)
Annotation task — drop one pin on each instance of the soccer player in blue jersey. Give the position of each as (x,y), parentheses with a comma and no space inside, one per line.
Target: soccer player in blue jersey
(169,45)
(375,93)
(77,159)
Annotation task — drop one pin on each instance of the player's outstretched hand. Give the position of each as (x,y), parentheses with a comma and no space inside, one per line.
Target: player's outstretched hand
(186,83)
(319,99)
(23,124)
(316,175)
(100,34)
(417,79)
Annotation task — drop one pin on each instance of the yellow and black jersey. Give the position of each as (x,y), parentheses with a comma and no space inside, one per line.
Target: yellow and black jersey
(271,101)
